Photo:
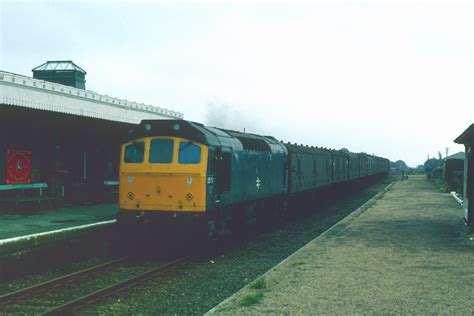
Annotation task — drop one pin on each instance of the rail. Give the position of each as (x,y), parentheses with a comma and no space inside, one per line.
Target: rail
(72,306)
(28,292)
(68,308)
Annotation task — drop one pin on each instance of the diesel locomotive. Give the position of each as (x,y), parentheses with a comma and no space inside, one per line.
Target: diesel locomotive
(173,169)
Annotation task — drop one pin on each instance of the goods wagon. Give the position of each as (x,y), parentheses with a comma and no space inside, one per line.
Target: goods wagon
(340,166)
(309,168)
(354,166)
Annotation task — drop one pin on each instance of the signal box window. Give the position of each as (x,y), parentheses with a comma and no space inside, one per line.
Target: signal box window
(189,153)
(161,150)
(134,152)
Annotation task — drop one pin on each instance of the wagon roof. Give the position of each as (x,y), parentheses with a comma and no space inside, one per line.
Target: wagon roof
(307,149)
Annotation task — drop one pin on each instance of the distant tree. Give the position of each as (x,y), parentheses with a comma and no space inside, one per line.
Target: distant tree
(401,165)
(432,164)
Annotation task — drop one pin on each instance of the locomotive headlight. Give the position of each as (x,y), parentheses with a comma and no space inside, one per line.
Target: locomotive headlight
(130,195)
(189,196)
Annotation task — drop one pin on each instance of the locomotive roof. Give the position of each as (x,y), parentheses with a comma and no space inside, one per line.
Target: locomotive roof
(210,136)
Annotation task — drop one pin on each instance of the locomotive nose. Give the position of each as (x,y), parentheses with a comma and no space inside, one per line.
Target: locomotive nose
(163,174)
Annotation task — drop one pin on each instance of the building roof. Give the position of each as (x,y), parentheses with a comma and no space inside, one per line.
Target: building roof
(22,91)
(59,65)
(459,155)
(467,137)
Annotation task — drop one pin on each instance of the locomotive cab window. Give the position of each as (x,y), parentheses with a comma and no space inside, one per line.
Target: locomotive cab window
(134,152)
(189,153)
(161,151)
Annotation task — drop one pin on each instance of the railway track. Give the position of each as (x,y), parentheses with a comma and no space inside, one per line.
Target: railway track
(23,294)
(17,297)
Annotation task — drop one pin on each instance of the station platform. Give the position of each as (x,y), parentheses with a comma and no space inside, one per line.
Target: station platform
(22,230)
(406,251)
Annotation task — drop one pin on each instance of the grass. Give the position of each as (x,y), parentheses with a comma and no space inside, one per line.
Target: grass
(254,298)
(258,283)
(298,263)
(440,184)
(251,299)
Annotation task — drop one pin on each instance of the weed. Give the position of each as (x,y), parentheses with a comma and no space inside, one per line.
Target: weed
(441,185)
(298,263)
(251,299)
(258,283)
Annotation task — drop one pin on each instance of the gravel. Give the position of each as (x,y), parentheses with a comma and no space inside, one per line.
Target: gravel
(31,280)
(63,294)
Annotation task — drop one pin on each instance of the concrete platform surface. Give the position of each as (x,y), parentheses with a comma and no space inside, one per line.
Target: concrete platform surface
(407,251)
(17,225)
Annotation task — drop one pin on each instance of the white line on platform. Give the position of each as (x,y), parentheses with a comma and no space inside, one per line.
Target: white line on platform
(455,196)
(33,236)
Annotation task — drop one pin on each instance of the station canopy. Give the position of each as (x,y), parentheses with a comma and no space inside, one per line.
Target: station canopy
(467,137)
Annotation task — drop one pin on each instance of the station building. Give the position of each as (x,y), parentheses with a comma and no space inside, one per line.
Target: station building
(453,171)
(467,138)
(60,141)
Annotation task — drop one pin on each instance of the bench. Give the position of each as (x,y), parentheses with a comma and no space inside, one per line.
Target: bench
(22,197)
(111,183)
(111,188)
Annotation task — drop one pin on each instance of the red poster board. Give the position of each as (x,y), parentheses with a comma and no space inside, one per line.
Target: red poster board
(18,166)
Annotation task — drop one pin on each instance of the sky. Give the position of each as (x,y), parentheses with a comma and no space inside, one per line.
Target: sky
(391,79)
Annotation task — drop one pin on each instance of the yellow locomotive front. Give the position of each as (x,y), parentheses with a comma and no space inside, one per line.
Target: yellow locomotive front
(163,174)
